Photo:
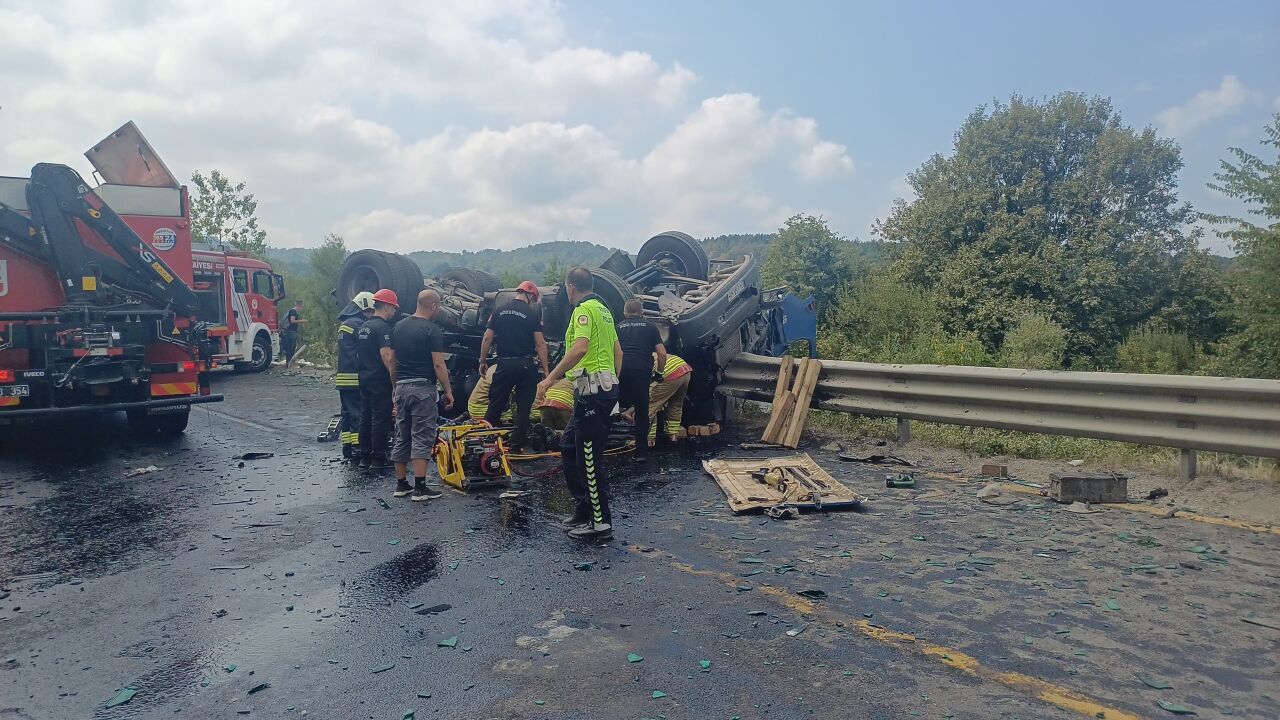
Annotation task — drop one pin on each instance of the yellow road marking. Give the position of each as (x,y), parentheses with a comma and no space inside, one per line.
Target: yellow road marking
(1044,690)
(1133,507)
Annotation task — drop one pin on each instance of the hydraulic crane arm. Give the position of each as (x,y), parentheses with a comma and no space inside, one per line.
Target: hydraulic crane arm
(58,197)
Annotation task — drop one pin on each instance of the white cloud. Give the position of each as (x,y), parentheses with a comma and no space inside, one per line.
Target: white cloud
(1206,106)
(420,125)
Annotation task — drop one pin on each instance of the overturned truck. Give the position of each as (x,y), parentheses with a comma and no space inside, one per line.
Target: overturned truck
(708,311)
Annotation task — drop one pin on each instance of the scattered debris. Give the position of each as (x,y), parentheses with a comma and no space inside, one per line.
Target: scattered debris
(1157,493)
(901,480)
(876,459)
(1155,683)
(658,695)
(259,688)
(812,594)
(255,456)
(795,481)
(434,609)
(704,664)
(999,471)
(1262,622)
(1081,508)
(1068,487)
(1075,463)
(759,446)
(448,642)
(584,566)
(634,658)
(381,668)
(1174,708)
(993,495)
(142,471)
(122,696)
(513,494)
(230,567)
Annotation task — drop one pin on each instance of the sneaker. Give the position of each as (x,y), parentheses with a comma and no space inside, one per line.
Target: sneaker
(602,531)
(402,488)
(575,520)
(424,491)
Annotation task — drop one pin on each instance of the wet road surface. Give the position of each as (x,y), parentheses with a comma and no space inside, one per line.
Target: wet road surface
(295,585)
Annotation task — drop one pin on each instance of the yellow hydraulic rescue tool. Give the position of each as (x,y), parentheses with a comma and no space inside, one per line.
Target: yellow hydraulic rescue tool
(472,455)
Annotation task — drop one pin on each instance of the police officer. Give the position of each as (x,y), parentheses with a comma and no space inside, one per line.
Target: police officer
(522,359)
(639,339)
(591,360)
(347,378)
(373,342)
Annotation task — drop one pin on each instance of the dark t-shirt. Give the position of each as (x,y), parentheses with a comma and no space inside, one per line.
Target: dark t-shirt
(638,337)
(414,339)
(373,335)
(515,323)
(289,317)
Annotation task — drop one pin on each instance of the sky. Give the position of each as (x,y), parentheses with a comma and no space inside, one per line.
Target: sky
(460,125)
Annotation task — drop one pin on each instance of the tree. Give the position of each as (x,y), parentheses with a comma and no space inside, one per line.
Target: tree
(1152,349)
(1035,343)
(810,259)
(316,290)
(1059,209)
(1254,349)
(224,210)
(555,272)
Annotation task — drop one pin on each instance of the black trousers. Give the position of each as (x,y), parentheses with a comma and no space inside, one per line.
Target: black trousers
(520,374)
(582,449)
(375,418)
(349,427)
(288,344)
(634,392)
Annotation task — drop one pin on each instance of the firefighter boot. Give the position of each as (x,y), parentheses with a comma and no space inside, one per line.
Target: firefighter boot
(593,531)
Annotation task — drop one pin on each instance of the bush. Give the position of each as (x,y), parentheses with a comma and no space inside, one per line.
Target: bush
(1035,343)
(1155,350)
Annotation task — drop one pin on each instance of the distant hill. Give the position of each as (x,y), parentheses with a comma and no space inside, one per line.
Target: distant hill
(532,261)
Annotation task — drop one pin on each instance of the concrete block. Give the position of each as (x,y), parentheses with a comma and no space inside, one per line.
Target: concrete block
(1068,487)
(999,471)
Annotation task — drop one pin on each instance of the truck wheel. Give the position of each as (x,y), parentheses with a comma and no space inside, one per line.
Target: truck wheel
(167,425)
(611,289)
(261,358)
(372,270)
(677,252)
(477,282)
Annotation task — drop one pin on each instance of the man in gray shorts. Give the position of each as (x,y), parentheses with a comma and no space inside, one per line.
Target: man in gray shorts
(418,346)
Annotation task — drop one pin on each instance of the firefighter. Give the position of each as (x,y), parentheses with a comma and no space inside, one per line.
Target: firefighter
(639,339)
(557,406)
(591,361)
(377,362)
(668,394)
(478,400)
(347,378)
(522,359)
(293,323)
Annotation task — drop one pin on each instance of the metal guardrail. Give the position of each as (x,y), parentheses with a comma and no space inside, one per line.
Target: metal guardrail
(1236,415)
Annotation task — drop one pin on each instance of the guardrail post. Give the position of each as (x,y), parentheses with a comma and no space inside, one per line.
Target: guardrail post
(904,431)
(1186,464)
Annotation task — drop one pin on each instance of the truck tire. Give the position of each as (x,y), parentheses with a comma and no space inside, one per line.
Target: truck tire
(166,425)
(372,270)
(477,282)
(612,290)
(261,358)
(678,252)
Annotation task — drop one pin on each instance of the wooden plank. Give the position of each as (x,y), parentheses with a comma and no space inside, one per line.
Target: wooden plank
(785,371)
(792,403)
(745,493)
(804,394)
(782,411)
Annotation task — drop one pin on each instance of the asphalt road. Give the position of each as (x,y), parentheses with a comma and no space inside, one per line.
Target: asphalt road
(287,587)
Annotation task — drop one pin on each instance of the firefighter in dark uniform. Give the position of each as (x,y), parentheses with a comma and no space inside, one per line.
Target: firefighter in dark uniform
(347,379)
(522,359)
(639,339)
(591,361)
(373,342)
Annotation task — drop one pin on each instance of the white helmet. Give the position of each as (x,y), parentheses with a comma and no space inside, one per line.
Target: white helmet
(363,300)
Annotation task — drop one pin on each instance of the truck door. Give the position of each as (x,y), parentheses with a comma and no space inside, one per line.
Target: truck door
(261,300)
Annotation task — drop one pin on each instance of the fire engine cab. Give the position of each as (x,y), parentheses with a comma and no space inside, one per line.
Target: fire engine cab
(237,295)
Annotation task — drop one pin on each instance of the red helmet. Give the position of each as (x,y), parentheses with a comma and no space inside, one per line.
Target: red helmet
(387,296)
(528,287)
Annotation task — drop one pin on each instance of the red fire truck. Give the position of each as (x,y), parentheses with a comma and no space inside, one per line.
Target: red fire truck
(97,311)
(237,296)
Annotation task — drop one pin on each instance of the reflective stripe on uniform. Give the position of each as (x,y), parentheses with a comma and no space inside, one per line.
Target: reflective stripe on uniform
(559,395)
(346,328)
(349,438)
(676,367)
(346,380)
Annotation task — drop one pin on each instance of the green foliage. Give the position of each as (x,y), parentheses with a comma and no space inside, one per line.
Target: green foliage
(1055,208)
(809,258)
(878,319)
(732,247)
(1254,350)
(1151,349)
(527,262)
(1035,343)
(313,284)
(224,210)
(554,273)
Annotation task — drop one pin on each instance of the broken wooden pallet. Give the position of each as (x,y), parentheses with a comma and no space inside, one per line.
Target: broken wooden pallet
(805,484)
(791,397)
